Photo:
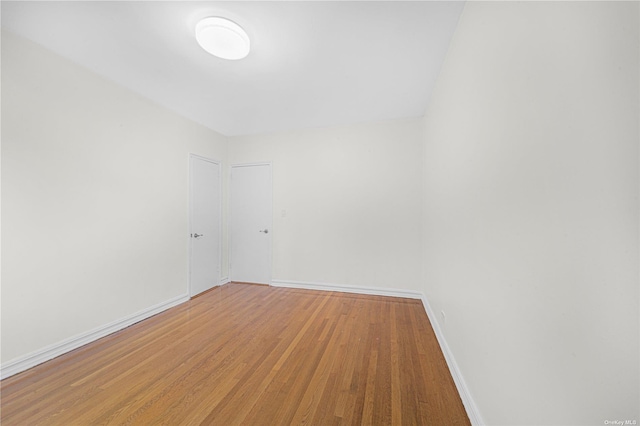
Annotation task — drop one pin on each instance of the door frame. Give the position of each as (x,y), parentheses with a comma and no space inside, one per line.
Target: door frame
(271,232)
(190,219)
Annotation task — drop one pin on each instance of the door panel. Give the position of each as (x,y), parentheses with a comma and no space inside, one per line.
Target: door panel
(251,216)
(205,220)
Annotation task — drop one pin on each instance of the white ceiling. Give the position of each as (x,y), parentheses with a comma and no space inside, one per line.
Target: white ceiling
(312,64)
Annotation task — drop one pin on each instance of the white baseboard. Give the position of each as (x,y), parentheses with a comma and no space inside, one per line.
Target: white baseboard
(224,280)
(463,390)
(376,291)
(49,352)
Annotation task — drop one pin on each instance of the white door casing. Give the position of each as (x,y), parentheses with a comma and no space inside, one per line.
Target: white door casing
(205,224)
(251,223)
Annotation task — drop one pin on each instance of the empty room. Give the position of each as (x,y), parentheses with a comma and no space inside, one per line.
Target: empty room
(320,212)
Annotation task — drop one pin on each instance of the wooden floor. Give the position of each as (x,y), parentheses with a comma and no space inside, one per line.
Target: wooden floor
(250,355)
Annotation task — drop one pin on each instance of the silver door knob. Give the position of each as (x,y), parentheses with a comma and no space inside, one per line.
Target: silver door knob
(197,235)
(266,231)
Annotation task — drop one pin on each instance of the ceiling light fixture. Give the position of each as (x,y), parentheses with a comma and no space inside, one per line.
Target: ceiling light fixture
(222,38)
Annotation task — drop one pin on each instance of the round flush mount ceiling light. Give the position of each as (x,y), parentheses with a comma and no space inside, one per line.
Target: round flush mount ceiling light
(222,38)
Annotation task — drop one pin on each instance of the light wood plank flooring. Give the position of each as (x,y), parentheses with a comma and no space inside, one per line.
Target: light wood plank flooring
(250,355)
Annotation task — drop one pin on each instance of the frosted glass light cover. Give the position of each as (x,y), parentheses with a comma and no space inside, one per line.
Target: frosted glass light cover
(222,38)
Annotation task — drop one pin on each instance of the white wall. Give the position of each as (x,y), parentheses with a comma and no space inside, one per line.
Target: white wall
(95,193)
(531,209)
(351,201)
